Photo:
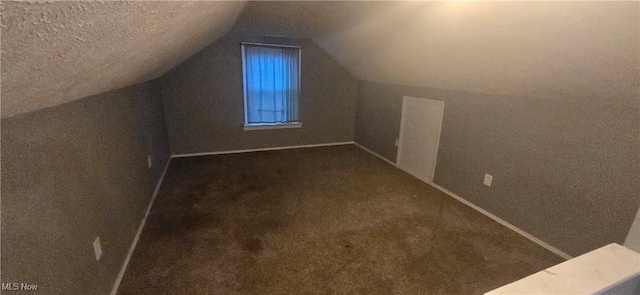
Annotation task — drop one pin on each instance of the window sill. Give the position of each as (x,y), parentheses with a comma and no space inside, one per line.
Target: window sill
(272,126)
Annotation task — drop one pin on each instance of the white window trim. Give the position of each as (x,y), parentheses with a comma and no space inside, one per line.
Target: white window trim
(248,127)
(286,125)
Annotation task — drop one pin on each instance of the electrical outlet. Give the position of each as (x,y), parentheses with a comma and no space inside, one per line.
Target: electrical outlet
(487,179)
(97,248)
(149,161)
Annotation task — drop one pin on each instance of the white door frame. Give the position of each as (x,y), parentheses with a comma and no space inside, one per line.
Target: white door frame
(402,117)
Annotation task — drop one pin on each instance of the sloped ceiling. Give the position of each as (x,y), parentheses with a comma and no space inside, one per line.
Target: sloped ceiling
(540,49)
(56,52)
(307,19)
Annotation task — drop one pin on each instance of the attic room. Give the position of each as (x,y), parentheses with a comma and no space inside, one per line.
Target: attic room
(204,147)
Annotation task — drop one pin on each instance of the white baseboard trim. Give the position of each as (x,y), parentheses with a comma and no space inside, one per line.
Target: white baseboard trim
(392,163)
(261,149)
(114,290)
(375,154)
(485,212)
(505,223)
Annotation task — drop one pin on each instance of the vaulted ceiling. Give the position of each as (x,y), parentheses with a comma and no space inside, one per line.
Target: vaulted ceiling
(55,52)
(539,49)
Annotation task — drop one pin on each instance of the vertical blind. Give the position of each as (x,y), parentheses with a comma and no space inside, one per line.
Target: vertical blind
(271,83)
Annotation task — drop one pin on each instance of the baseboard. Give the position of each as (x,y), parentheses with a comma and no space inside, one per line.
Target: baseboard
(392,163)
(261,149)
(114,291)
(505,223)
(375,154)
(485,212)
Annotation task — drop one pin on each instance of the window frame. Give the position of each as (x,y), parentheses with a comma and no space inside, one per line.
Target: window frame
(278,125)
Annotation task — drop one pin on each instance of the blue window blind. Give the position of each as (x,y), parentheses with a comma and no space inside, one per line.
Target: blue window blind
(271,83)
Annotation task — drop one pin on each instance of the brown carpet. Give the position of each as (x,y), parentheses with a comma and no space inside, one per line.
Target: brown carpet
(330,220)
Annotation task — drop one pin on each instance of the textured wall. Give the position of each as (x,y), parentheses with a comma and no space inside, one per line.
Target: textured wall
(565,170)
(74,172)
(57,51)
(204,100)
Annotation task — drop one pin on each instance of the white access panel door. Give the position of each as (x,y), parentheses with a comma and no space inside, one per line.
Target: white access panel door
(420,127)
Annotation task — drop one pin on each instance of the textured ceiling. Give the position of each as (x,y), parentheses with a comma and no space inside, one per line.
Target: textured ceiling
(541,49)
(55,52)
(307,19)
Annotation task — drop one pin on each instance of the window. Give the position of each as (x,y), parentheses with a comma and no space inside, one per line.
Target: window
(271,86)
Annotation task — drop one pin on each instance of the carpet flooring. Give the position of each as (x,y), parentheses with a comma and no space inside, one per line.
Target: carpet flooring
(329,220)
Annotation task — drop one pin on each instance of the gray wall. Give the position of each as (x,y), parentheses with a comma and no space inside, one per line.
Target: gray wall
(74,172)
(204,102)
(633,238)
(565,170)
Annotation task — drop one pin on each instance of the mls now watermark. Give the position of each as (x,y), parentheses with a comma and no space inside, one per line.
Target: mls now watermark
(19,287)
